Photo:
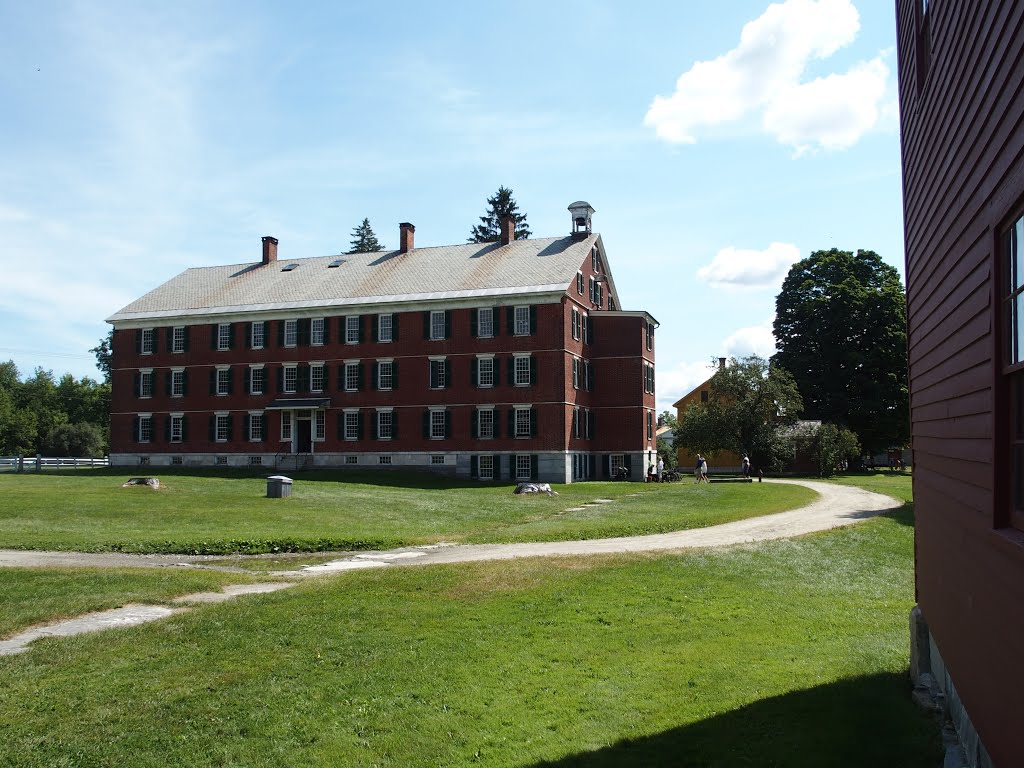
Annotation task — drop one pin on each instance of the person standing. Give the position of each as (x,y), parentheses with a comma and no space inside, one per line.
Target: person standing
(661,467)
(696,468)
(704,469)
(746,467)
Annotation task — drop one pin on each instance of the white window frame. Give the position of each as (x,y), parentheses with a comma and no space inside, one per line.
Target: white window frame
(177,427)
(483,426)
(438,423)
(487,312)
(384,458)
(145,433)
(146,343)
(385,375)
(291,333)
(385,423)
(351,424)
(351,329)
(522,364)
(316,377)
(256,426)
(145,383)
(524,466)
(286,425)
(485,466)
(576,324)
(442,366)
(616,462)
(258,334)
(178,339)
(291,371)
(316,332)
(351,375)
(437,459)
(437,324)
(522,423)
(319,426)
(521,324)
(385,327)
(177,382)
(221,427)
(350,459)
(579,283)
(485,371)
(223,336)
(223,379)
(253,370)
(576,366)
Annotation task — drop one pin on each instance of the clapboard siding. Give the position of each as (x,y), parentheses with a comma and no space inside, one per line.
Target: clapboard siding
(962,134)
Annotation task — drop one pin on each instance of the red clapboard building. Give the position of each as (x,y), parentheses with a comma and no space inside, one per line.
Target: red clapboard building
(500,361)
(961,80)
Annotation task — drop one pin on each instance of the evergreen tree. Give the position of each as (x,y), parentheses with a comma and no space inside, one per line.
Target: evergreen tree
(364,240)
(500,204)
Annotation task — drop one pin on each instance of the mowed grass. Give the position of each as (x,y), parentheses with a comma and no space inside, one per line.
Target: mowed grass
(227,512)
(788,653)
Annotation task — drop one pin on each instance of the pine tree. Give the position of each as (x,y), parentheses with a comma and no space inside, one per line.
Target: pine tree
(363,239)
(500,204)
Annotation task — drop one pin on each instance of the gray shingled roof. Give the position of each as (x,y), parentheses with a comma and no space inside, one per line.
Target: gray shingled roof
(446,272)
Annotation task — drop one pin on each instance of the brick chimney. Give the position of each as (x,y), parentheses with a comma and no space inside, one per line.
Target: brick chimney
(406,237)
(508,229)
(721,363)
(269,249)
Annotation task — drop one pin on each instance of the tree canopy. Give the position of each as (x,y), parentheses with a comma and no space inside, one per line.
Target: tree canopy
(498,205)
(364,240)
(748,401)
(840,330)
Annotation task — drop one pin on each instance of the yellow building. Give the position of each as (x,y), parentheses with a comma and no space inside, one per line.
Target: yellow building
(720,461)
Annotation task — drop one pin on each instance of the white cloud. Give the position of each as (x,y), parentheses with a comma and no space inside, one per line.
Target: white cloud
(764,73)
(672,384)
(743,268)
(754,340)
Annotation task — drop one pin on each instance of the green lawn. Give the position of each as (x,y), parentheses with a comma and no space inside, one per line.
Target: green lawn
(789,653)
(227,512)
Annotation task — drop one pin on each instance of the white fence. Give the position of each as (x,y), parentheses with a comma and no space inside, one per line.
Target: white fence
(39,463)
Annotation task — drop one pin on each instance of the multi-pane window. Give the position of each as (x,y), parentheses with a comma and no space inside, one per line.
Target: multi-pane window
(485,372)
(523,422)
(577,324)
(522,370)
(286,425)
(385,424)
(486,467)
(579,283)
(485,423)
(522,321)
(588,375)
(291,333)
(351,459)
(257,334)
(352,329)
(224,381)
(438,425)
(351,425)
(650,332)
(524,466)
(650,425)
(255,427)
(576,425)
(145,433)
(1012,300)
(178,339)
(438,459)
(291,376)
(385,374)
(316,332)
(319,425)
(575,373)
(385,327)
(222,427)
(178,382)
(316,377)
(485,323)
(437,324)
(351,376)
(146,382)
(177,427)
(256,380)
(616,463)
(648,379)
(595,260)
(146,341)
(223,336)
(585,329)
(438,373)
(384,459)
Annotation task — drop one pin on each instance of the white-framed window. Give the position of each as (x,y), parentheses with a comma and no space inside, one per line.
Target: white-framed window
(576,373)
(146,382)
(522,321)
(576,324)
(178,339)
(595,259)
(175,461)
(438,424)
(523,422)
(617,463)
(256,382)
(223,336)
(522,370)
(351,425)
(177,427)
(319,425)
(286,425)
(351,329)
(385,374)
(258,334)
(485,371)
(291,333)
(146,341)
(145,433)
(588,375)
(587,422)
(385,327)
(384,459)
(650,331)
(486,467)
(177,382)
(436,459)
(437,324)
(485,323)
(316,332)
(222,427)
(255,461)
(351,459)
(438,373)
(143,461)
(485,423)
(256,427)
(579,283)
(223,380)
(291,377)
(524,466)
(385,424)
(316,377)
(586,329)
(221,461)
(351,375)
(576,426)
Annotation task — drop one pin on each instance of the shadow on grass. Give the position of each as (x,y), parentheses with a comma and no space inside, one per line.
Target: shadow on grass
(904,515)
(856,722)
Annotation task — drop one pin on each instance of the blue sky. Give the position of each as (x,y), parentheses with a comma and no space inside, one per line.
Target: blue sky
(718,142)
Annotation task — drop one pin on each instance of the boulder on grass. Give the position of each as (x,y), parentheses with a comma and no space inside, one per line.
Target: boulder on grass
(152,482)
(535,488)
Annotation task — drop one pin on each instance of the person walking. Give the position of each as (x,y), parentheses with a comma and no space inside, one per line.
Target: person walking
(661,467)
(696,468)
(704,469)
(746,467)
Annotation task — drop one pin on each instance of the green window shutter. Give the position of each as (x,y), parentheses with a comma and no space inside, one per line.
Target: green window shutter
(231,381)
(374,375)
(446,372)
(170,339)
(533,423)
(511,371)
(359,425)
(590,424)
(474,467)
(327,378)
(342,336)
(432,366)
(359,375)
(375,424)
(426,424)
(359,324)
(137,378)
(592,464)
(231,428)
(475,424)
(534,467)
(510,320)
(474,368)
(184,382)
(213,336)
(280,379)
(305,331)
(497,426)
(213,429)
(167,429)
(280,332)
(426,325)
(375,327)
(533,370)
(511,422)
(138,341)
(447,424)
(533,319)
(231,336)
(302,379)
(213,381)
(575,422)
(188,333)
(327,331)
(167,383)
(247,429)
(394,326)
(496,362)
(341,376)
(184,428)
(472,324)
(248,335)
(627,462)
(394,425)
(341,426)
(135,429)
(496,330)
(394,375)
(447,324)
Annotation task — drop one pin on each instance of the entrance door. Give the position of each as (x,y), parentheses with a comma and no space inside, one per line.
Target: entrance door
(304,436)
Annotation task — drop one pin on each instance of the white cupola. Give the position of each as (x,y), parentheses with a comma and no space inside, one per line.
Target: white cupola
(581,211)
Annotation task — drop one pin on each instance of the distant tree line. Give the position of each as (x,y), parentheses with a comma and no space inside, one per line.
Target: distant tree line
(39,414)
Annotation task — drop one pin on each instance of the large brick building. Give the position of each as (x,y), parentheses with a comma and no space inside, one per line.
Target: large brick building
(508,360)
